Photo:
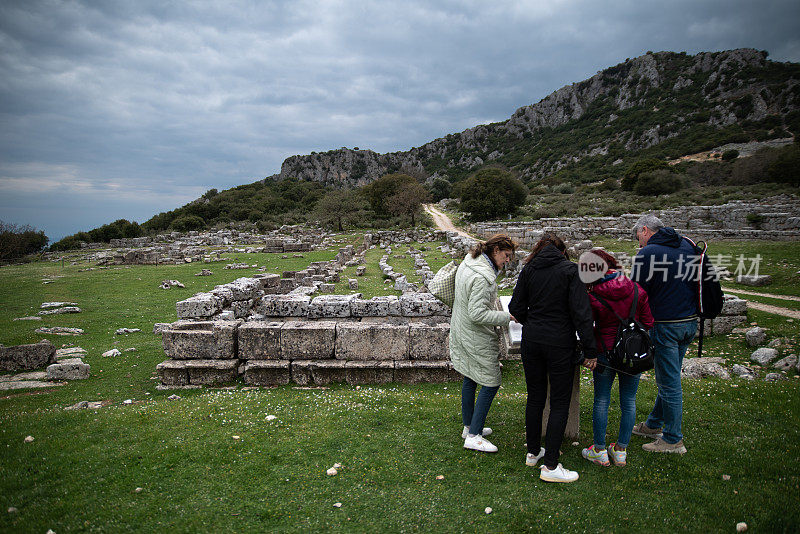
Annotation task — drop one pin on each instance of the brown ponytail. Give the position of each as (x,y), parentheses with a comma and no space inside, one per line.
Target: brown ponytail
(548,239)
(496,242)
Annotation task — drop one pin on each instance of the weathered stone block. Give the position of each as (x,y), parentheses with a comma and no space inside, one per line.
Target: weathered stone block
(756,336)
(369,372)
(244,288)
(764,355)
(210,372)
(430,342)
(29,356)
(375,307)
(203,340)
(284,305)
(225,293)
(308,340)
(754,280)
(242,308)
(371,341)
(68,369)
(416,372)
(331,306)
(319,372)
(268,280)
(733,305)
(259,340)
(724,324)
(421,305)
(287,284)
(173,373)
(266,372)
(327,288)
(199,306)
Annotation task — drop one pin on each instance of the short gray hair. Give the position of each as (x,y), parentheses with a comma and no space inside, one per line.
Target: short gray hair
(648,221)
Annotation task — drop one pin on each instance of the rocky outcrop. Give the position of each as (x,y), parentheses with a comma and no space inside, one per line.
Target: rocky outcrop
(726,87)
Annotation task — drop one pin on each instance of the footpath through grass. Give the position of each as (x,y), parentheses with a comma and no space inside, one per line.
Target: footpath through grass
(214,461)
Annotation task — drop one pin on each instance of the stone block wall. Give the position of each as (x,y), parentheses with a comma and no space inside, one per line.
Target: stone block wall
(780,221)
(307,351)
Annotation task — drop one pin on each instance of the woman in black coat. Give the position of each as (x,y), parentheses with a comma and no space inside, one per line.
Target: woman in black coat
(552,304)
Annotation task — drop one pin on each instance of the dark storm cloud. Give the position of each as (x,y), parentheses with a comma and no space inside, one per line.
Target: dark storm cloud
(125,109)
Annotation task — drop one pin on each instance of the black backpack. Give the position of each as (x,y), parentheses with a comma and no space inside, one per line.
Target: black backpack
(709,291)
(633,351)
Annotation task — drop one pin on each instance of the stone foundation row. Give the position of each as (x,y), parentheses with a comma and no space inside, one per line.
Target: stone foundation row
(303,372)
(306,340)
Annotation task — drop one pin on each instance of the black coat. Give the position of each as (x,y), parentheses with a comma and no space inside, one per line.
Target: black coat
(552,304)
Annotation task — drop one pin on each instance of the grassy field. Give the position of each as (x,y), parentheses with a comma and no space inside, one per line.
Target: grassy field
(214,461)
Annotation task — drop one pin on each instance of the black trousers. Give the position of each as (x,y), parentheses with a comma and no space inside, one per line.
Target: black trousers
(543,362)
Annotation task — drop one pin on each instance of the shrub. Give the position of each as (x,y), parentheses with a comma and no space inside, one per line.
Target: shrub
(563,189)
(490,193)
(440,188)
(755,219)
(384,187)
(729,155)
(19,241)
(658,182)
(188,222)
(786,167)
(628,182)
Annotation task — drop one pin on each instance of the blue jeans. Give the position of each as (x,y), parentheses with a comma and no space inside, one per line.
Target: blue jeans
(473,414)
(628,385)
(671,341)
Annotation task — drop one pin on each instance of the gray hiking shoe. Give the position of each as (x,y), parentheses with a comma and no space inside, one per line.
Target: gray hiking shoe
(642,429)
(660,445)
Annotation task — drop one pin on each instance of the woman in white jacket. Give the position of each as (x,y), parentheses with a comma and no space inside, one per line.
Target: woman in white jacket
(474,344)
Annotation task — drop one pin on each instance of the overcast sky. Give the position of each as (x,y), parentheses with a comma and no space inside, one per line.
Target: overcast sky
(125,109)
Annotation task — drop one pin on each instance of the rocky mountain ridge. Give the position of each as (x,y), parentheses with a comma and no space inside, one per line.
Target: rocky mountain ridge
(664,99)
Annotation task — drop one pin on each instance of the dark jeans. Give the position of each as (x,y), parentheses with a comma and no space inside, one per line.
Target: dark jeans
(473,414)
(543,362)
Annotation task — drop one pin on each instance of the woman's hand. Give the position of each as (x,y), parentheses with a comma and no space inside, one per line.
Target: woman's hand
(590,364)
(513,318)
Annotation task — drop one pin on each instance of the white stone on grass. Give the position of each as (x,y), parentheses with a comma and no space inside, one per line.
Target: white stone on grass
(28,439)
(756,336)
(332,472)
(121,331)
(764,355)
(787,363)
(111,353)
(59,331)
(59,311)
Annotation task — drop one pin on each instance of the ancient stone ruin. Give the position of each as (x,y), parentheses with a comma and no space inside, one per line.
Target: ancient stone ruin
(778,220)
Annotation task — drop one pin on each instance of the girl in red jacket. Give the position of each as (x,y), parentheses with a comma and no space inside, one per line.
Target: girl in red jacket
(617,290)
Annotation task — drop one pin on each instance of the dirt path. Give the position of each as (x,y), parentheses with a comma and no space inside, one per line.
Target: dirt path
(757,294)
(786,312)
(442,221)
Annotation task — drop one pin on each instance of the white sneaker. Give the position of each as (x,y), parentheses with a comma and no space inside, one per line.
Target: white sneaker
(559,474)
(486,432)
(532,459)
(479,443)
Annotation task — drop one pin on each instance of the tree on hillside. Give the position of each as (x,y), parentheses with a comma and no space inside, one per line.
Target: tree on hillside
(658,182)
(643,165)
(407,200)
(384,187)
(338,208)
(440,188)
(19,241)
(490,193)
(786,167)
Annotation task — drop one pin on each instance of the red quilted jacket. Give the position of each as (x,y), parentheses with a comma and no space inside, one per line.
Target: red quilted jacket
(618,292)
